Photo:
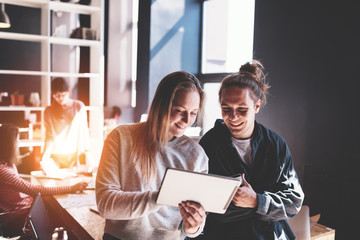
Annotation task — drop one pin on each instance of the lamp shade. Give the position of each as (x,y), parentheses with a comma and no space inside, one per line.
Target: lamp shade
(4,19)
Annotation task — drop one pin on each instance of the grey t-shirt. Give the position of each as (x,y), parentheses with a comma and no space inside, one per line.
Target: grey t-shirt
(243,146)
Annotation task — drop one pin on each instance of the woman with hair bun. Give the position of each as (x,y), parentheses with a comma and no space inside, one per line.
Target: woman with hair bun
(240,146)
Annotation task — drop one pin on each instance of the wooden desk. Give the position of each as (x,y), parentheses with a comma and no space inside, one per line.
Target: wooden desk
(85,224)
(79,221)
(321,232)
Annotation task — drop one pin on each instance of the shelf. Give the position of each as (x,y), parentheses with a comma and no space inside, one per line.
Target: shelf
(52,40)
(23,37)
(20,108)
(31,143)
(79,75)
(91,108)
(51,74)
(56,6)
(27,3)
(21,72)
(40,143)
(75,8)
(50,48)
(24,108)
(74,41)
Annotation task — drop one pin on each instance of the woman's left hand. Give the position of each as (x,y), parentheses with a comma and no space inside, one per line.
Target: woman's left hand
(193,215)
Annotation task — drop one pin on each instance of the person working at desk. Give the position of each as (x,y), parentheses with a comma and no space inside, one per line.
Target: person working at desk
(238,144)
(16,193)
(67,133)
(134,161)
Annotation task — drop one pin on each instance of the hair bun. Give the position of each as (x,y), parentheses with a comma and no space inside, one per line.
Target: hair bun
(254,69)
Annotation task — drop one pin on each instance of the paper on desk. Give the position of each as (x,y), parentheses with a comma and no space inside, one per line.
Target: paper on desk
(77,200)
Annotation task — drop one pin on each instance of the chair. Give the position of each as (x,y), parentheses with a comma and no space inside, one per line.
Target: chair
(300,223)
(10,219)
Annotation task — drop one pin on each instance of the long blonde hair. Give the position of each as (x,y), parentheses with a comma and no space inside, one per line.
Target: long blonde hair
(152,136)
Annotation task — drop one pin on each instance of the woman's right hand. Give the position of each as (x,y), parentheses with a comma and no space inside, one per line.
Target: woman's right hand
(79,187)
(193,215)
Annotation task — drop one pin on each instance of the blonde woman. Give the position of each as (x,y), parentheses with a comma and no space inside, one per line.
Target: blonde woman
(134,160)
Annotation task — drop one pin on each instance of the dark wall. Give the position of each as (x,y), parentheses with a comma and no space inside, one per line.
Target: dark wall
(310,50)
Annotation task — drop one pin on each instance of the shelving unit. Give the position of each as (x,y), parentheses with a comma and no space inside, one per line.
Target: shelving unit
(95,75)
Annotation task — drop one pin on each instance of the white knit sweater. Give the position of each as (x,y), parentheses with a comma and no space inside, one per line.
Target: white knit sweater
(127,203)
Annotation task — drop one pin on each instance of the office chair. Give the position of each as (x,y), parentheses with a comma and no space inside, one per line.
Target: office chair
(12,219)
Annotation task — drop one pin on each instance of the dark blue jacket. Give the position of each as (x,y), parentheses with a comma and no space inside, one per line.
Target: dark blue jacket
(271,175)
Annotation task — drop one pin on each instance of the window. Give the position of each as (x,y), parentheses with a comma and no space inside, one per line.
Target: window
(228,29)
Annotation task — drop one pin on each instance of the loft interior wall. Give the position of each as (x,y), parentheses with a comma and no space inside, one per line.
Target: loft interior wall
(310,50)
(118,80)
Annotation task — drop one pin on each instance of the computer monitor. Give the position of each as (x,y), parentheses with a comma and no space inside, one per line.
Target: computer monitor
(37,223)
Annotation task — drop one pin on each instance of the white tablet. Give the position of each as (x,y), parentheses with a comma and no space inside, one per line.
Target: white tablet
(213,192)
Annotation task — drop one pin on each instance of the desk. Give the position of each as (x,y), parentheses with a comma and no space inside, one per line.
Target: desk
(321,232)
(77,218)
(80,221)
(85,224)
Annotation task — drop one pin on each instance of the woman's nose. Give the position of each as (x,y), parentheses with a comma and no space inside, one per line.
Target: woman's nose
(186,117)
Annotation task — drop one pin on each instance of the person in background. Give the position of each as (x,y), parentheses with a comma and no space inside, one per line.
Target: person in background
(67,133)
(16,193)
(116,113)
(135,158)
(239,145)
